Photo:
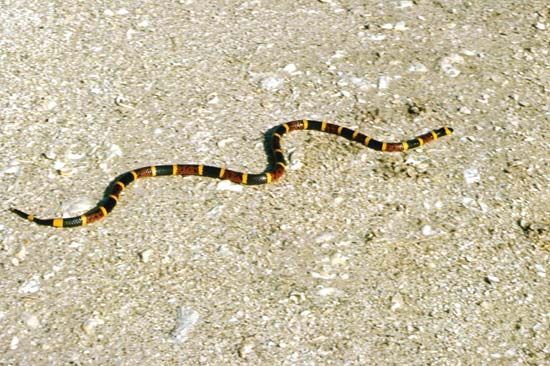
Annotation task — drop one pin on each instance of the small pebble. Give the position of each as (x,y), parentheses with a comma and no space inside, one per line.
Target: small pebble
(290,68)
(464,110)
(271,83)
(396,302)
(427,230)
(472,175)
(227,185)
(447,64)
(492,279)
(400,26)
(383,82)
(330,291)
(21,253)
(113,152)
(246,348)
(323,275)
(31,286)
(214,100)
(417,67)
(323,238)
(143,24)
(338,200)
(14,343)
(30,320)
(50,105)
(296,164)
(74,156)
(540,26)
(541,271)
(145,256)
(224,142)
(468,53)
(89,325)
(377,37)
(58,165)
(338,259)
(185,321)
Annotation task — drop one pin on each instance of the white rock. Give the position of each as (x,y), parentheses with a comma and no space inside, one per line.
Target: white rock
(383,82)
(145,256)
(405,4)
(50,105)
(89,325)
(30,320)
(21,253)
(400,26)
(246,348)
(113,152)
(224,142)
(338,259)
(185,321)
(323,238)
(31,286)
(12,168)
(296,165)
(492,279)
(471,175)
(330,291)
(14,343)
(464,110)
(339,54)
(290,68)
(74,156)
(58,165)
(345,93)
(466,52)
(447,64)
(396,302)
(323,275)
(272,83)
(227,185)
(417,67)
(427,230)
(214,100)
(377,37)
(541,271)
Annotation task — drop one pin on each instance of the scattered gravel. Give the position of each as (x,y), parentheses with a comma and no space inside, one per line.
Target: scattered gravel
(438,256)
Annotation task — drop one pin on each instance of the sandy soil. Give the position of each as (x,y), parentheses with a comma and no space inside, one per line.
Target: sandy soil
(435,256)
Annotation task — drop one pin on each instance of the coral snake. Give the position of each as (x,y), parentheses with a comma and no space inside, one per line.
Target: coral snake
(113,191)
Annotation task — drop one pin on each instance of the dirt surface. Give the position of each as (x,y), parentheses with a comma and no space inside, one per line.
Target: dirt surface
(435,256)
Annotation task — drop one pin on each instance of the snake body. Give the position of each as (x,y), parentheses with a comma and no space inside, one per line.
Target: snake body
(277,170)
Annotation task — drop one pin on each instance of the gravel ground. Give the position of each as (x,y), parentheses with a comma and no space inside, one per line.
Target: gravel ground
(435,256)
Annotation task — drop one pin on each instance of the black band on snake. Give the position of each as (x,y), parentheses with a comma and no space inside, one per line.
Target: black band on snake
(112,194)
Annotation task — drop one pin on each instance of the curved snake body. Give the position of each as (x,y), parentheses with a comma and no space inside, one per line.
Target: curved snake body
(112,193)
